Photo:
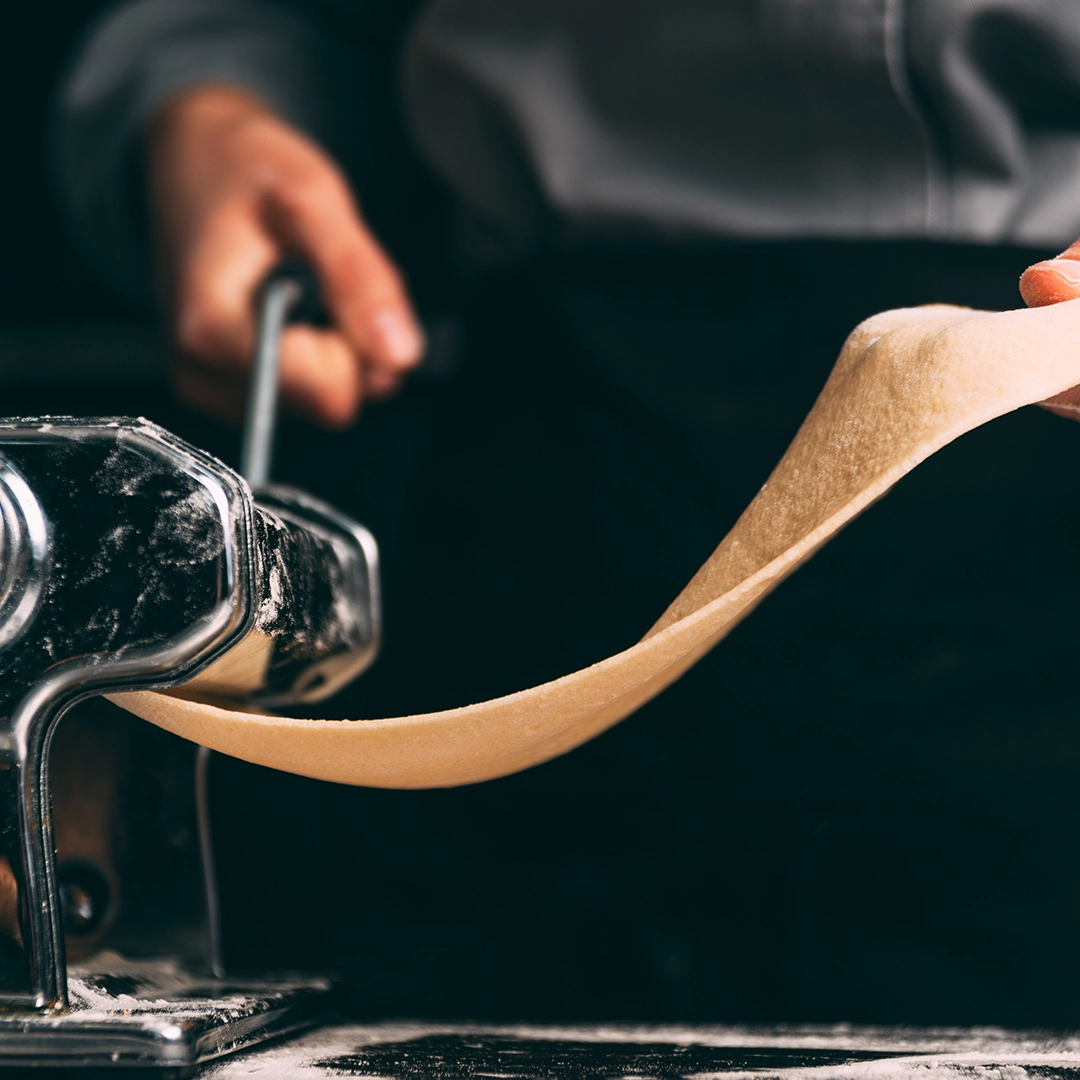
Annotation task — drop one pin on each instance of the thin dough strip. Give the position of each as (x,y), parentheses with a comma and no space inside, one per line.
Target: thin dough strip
(907,383)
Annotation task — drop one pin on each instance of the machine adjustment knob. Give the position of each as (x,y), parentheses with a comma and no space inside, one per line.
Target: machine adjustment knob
(84,897)
(24,554)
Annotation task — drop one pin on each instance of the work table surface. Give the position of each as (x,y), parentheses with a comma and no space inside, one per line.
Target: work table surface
(414,1051)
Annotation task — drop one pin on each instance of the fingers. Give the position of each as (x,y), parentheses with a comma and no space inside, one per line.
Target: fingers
(215,285)
(1053,280)
(325,375)
(319,380)
(234,190)
(362,289)
(1066,404)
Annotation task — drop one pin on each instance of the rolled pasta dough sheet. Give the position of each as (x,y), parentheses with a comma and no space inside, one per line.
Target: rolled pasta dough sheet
(907,382)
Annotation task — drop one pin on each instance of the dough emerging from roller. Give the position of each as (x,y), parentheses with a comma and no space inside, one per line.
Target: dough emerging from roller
(907,383)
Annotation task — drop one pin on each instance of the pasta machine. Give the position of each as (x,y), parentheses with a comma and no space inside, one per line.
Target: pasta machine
(130,560)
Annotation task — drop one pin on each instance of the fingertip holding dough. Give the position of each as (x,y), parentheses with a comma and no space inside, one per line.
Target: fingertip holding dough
(907,383)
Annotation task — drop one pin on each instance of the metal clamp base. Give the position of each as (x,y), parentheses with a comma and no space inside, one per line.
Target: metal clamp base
(154,1013)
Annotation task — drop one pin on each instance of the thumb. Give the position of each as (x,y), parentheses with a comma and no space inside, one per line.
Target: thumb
(1053,280)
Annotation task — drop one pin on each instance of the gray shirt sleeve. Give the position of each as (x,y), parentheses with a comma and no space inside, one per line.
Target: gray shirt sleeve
(135,60)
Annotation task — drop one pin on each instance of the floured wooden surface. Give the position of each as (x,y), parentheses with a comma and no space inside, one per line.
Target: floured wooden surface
(907,383)
(402,1051)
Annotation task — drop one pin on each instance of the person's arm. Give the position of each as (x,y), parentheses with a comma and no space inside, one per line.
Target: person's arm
(217,109)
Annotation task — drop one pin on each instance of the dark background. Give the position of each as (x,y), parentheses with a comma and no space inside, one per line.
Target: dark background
(44,279)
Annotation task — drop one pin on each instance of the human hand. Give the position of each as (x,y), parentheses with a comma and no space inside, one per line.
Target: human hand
(1050,282)
(233,189)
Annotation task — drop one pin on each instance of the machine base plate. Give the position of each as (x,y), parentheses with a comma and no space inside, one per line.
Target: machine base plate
(155,1013)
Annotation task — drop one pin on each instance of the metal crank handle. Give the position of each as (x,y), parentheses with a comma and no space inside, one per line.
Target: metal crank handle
(276,299)
(332,560)
(290,288)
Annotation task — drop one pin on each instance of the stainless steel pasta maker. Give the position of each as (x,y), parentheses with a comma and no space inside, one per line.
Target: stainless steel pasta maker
(130,560)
